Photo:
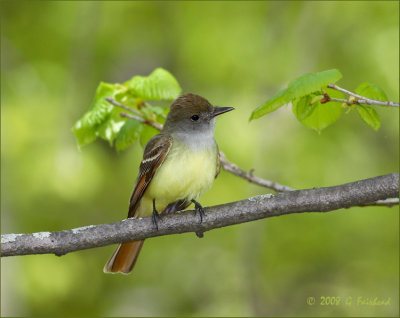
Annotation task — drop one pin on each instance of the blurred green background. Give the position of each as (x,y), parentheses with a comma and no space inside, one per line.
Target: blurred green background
(54,54)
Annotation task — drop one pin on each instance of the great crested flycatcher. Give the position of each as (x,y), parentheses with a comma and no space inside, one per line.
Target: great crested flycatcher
(179,164)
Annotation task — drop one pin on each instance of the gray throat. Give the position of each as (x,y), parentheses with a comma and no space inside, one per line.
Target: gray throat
(199,140)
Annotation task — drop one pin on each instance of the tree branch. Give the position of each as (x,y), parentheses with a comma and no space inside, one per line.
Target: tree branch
(360,99)
(136,114)
(388,202)
(153,124)
(259,207)
(234,169)
(118,104)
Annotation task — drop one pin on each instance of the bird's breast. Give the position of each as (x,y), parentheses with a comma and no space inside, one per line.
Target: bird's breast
(186,173)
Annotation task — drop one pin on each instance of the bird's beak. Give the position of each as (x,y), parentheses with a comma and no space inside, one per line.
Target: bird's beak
(221,110)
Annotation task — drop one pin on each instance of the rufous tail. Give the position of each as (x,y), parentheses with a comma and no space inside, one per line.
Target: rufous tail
(124,258)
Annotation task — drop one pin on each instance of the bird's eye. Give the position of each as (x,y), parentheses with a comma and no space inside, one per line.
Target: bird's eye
(195,118)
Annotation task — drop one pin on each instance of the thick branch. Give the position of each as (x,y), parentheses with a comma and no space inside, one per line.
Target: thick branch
(360,99)
(264,206)
(388,202)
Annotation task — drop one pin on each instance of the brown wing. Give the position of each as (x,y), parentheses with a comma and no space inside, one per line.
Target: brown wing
(218,163)
(154,154)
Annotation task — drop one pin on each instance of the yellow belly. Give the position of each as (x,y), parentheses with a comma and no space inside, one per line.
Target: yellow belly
(185,174)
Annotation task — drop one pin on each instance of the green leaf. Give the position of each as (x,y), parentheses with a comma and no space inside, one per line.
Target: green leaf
(369,116)
(160,84)
(304,107)
(103,120)
(317,116)
(302,86)
(371,91)
(111,126)
(129,133)
(309,83)
(270,105)
(86,128)
(156,113)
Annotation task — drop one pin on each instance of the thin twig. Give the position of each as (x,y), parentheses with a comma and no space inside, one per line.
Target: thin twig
(249,176)
(137,115)
(148,122)
(142,120)
(361,99)
(346,101)
(118,104)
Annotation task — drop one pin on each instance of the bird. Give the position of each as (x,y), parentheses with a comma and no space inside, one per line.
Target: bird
(179,164)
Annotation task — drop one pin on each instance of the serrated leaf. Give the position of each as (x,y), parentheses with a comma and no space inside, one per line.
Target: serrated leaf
(159,85)
(129,133)
(310,83)
(270,105)
(111,126)
(84,135)
(371,91)
(85,129)
(369,116)
(318,116)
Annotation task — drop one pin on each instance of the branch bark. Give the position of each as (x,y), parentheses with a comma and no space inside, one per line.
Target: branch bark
(388,202)
(264,206)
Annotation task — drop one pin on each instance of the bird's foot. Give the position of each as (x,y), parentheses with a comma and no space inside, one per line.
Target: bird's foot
(200,234)
(199,209)
(155,217)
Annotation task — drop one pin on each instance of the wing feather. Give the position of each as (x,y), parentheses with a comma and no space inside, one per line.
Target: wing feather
(155,152)
(218,164)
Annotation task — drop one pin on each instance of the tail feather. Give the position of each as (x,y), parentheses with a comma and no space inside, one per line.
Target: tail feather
(124,258)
